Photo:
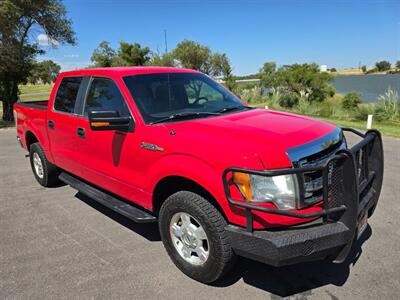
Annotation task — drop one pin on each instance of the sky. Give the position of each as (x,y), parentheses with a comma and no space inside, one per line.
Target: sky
(340,34)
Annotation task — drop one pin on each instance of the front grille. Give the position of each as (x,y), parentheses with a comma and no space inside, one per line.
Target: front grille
(311,183)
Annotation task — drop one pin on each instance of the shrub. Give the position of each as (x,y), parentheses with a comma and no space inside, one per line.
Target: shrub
(351,101)
(289,100)
(362,112)
(253,95)
(388,105)
(331,90)
(306,107)
(273,101)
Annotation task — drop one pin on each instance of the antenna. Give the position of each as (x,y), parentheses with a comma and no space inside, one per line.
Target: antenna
(165,40)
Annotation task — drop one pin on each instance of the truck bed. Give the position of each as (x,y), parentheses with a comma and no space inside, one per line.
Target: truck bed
(32,116)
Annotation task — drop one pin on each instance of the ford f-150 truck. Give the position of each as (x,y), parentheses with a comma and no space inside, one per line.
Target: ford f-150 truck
(173,146)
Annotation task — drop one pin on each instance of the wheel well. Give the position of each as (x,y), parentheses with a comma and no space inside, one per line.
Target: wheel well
(172,184)
(30,138)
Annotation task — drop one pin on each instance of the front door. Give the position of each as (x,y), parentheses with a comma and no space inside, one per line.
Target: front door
(106,156)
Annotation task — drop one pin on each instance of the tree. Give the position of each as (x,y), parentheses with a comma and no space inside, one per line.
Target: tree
(45,71)
(18,19)
(104,55)
(133,54)
(364,69)
(382,66)
(165,60)
(398,65)
(298,81)
(192,55)
(268,76)
(220,65)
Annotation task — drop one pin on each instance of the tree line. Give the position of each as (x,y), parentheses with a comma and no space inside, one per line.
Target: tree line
(383,66)
(187,54)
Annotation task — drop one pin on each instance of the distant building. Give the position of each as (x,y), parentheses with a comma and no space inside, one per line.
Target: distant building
(323,68)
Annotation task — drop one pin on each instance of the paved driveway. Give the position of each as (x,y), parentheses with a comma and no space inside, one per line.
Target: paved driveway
(56,243)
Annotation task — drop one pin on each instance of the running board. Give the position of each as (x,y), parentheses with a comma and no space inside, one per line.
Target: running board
(131,212)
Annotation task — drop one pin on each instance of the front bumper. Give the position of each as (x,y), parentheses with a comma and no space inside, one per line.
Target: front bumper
(352,183)
(290,246)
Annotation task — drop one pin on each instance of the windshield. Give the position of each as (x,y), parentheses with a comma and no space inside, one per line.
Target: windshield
(192,95)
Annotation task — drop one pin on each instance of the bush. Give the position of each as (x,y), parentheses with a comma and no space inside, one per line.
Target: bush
(253,95)
(331,90)
(306,107)
(363,111)
(288,100)
(351,101)
(388,106)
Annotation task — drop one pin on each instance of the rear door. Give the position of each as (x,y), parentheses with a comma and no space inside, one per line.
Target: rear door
(61,122)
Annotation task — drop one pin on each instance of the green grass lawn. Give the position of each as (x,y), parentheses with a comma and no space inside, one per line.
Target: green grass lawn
(35,92)
(28,93)
(386,128)
(30,89)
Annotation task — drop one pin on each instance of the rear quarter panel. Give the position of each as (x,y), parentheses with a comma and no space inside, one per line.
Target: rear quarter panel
(31,119)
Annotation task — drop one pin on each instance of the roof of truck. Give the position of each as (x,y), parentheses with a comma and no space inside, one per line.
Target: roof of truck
(126,71)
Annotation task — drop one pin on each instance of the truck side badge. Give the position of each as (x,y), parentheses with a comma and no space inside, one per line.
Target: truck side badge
(151,147)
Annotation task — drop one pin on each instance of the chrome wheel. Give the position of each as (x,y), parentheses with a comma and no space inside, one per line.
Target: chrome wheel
(189,238)
(37,163)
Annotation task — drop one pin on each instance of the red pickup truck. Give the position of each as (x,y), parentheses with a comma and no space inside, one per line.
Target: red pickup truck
(222,179)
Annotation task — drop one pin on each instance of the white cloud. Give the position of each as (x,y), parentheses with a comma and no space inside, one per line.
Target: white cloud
(44,40)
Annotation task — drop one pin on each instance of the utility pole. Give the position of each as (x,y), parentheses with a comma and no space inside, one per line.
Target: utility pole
(165,40)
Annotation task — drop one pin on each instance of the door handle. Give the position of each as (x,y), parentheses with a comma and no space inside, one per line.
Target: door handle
(50,124)
(80,132)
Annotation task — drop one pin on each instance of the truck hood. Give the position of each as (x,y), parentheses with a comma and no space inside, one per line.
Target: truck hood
(248,136)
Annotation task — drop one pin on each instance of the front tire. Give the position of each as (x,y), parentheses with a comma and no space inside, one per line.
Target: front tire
(45,172)
(193,233)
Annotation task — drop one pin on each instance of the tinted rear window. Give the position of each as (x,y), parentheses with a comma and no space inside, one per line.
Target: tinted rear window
(66,94)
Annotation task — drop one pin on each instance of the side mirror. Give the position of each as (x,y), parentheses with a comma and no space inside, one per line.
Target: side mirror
(109,120)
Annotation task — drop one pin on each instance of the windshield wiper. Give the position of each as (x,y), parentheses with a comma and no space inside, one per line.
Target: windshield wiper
(185,115)
(230,108)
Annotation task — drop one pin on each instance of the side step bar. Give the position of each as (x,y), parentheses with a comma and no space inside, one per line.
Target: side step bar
(131,212)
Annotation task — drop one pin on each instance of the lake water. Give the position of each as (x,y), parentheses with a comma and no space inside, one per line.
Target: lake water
(369,86)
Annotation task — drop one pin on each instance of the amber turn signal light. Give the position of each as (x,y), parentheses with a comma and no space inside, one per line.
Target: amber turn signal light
(242,181)
(99,124)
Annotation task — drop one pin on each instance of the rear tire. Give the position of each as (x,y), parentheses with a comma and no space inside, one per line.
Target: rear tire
(45,172)
(204,259)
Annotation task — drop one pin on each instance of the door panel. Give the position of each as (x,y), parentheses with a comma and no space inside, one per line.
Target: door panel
(61,124)
(106,155)
(63,140)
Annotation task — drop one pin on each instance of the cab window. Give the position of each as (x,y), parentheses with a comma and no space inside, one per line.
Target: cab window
(66,94)
(104,94)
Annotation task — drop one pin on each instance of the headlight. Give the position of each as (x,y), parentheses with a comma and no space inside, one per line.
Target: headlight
(281,190)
